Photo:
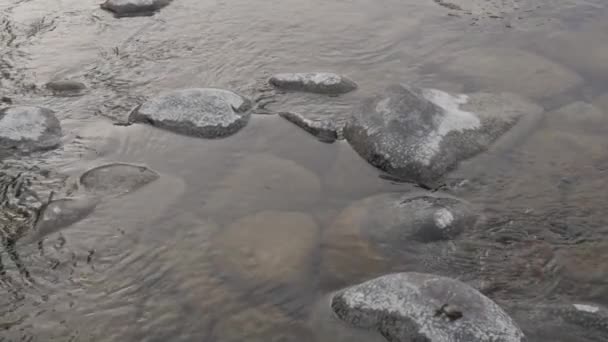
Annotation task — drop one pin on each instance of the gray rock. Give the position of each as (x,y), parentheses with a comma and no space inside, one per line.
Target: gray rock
(27,129)
(314,82)
(201,112)
(65,86)
(132,8)
(325,130)
(117,178)
(373,234)
(61,214)
(406,307)
(421,134)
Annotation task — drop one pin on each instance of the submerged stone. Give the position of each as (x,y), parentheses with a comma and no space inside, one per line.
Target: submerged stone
(267,248)
(201,112)
(406,307)
(60,214)
(421,134)
(510,70)
(132,8)
(28,129)
(325,130)
(117,178)
(65,87)
(373,234)
(314,82)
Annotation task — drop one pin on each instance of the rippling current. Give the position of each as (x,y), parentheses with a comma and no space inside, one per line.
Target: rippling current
(168,262)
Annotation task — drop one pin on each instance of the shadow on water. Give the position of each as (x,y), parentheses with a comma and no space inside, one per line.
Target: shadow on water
(228,243)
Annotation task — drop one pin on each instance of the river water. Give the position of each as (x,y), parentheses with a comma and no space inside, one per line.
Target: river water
(171,261)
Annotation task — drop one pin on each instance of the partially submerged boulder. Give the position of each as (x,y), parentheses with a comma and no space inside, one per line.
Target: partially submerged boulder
(406,307)
(117,178)
(200,112)
(314,82)
(26,129)
(374,234)
(325,130)
(421,134)
(133,8)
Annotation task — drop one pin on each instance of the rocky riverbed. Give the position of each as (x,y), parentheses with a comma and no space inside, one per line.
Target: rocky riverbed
(190,170)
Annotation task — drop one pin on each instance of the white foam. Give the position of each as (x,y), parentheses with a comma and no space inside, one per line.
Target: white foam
(443,218)
(20,125)
(453,119)
(586,308)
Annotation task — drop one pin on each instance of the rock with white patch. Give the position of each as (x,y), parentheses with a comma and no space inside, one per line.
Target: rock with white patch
(325,130)
(406,307)
(314,82)
(421,134)
(28,129)
(60,214)
(133,8)
(375,233)
(200,112)
(117,178)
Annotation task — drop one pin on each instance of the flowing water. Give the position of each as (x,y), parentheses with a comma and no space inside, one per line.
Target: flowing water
(203,254)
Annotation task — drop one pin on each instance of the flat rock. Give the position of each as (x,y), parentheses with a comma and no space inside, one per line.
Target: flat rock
(375,233)
(60,214)
(420,135)
(407,307)
(325,130)
(314,82)
(117,178)
(510,70)
(201,112)
(262,182)
(132,8)
(267,248)
(28,129)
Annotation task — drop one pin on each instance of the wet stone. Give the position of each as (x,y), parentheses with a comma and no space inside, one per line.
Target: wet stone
(60,214)
(117,178)
(28,129)
(407,307)
(419,135)
(267,248)
(325,130)
(133,8)
(374,233)
(314,82)
(201,112)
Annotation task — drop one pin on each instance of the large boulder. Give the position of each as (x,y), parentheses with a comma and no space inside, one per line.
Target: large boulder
(406,307)
(117,178)
(314,82)
(201,112)
(375,234)
(421,134)
(133,8)
(28,129)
